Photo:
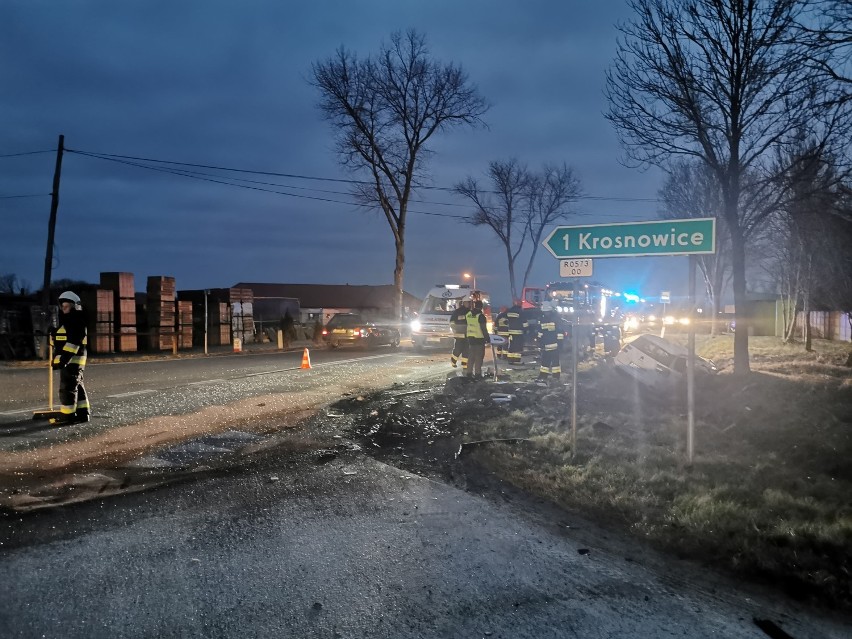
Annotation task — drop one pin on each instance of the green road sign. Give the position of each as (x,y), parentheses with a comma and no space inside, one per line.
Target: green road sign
(632,239)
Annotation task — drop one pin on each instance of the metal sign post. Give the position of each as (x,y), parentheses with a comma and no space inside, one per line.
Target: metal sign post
(575,342)
(690,366)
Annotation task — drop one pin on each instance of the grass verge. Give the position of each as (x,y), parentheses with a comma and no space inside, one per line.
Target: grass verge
(769,494)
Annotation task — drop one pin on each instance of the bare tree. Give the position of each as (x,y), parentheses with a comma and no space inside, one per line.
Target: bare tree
(520,206)
(550,194)
(833,33)
(692,191)
(818,255)
(384,110)
(502,208)
(724,81)
(8,283)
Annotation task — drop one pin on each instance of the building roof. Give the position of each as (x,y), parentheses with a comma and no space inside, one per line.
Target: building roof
(332,295)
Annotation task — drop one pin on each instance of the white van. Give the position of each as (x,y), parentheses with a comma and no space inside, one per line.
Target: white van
(658,363)
(432,326)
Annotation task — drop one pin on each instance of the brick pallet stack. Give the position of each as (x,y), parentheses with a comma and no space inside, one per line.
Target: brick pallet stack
(218,317)
(100,311)
(220,324)
(184,323)
(240,301)
(124,310)
(161,313)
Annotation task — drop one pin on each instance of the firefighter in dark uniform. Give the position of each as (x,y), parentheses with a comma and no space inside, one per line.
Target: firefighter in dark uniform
(70,358)
(458,323)
(477,337)
(550,343)
(502,327)
(517,327)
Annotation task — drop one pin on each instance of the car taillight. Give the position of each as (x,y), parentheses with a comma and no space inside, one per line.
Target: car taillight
(324,332)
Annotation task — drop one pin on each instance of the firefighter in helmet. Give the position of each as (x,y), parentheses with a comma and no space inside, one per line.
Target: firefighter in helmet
(70,358)
(550,342)
(477,337)
(502,326)
(517,327)
(458,323)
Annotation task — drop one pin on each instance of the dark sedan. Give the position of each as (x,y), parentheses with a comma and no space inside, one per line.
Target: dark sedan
(350,328)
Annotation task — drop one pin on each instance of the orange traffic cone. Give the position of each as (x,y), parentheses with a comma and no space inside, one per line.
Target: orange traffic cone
(306,359)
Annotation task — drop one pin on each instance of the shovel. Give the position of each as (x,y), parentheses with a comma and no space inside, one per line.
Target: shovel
(50,412)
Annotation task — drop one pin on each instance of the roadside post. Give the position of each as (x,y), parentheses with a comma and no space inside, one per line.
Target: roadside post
(690,366)
(206,293)
(665,298)
(495,340)
(690,237)
(575,343)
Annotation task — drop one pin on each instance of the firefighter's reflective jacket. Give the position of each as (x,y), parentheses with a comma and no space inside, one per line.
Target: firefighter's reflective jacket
(70,339)
(458,322)
(517,324)
(476,328)
(549,335)
(502,326)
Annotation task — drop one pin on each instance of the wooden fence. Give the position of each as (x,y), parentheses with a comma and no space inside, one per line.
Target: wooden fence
(832,325)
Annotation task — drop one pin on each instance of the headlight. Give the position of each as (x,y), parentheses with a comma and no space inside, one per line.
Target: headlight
(415,325)
(669,319)
(684,321)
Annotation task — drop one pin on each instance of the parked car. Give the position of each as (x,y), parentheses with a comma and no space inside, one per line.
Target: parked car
(658,363)
(352,329)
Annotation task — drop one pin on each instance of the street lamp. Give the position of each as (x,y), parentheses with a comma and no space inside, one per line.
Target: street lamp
(469,276)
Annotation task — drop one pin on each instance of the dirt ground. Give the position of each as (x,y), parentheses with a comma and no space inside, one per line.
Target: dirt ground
(767,497)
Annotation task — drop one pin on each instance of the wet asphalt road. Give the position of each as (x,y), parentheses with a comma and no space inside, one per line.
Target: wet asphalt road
(348,548)
(292,545)
(130,392)
(114,384)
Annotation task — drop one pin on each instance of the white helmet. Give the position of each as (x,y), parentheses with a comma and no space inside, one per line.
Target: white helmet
(68,296)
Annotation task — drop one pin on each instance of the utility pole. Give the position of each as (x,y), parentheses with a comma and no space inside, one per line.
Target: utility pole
(51,229)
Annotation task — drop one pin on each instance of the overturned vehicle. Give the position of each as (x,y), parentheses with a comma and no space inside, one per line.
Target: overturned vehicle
(658,363)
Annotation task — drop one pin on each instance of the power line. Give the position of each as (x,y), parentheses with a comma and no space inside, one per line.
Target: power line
(9,197)
(15,155)
(309,177)
(183,173)
(230,181)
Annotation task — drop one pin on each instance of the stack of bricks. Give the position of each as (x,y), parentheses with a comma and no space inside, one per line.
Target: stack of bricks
(184,323)
(240,302)
(161,313)
(220,324)
(124,310)
(217,312)
(100,311)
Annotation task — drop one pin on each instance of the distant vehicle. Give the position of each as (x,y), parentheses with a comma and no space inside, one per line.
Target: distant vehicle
(351,329)
(658,363)
(432,326)
(576,301)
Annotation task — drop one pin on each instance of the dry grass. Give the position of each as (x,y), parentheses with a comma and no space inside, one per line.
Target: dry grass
(769,494)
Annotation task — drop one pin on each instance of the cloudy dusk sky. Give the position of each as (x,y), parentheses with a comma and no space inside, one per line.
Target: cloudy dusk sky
(226,84)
